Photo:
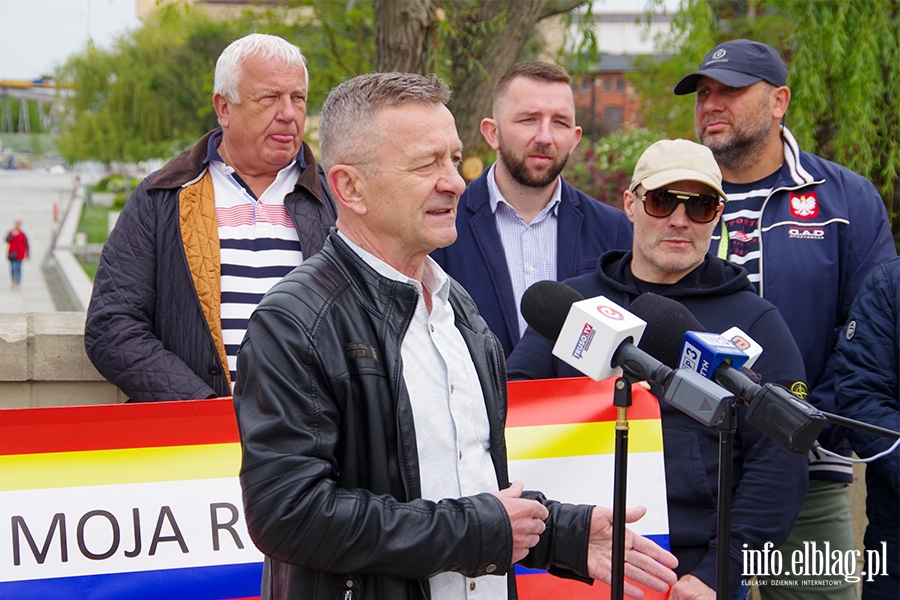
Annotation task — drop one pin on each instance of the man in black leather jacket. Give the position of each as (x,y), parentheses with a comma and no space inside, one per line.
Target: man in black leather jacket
(371,396)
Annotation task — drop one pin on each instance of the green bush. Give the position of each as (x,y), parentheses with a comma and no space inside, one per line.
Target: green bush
(603,171)
(111,183)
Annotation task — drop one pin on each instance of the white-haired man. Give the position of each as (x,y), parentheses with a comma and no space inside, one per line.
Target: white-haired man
(203,239)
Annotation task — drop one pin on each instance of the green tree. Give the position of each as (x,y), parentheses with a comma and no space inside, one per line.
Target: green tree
(845,85)
(690,39)
(843,61)
(149,96)
(16,124)
(468,43)
(603,170)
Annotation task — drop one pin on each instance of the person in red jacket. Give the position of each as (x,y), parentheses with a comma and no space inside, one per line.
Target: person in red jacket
(17,252)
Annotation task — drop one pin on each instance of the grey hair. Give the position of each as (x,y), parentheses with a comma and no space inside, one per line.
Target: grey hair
(229,66)
(346,134)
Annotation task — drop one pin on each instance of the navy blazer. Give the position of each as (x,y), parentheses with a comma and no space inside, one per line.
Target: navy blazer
(587,228)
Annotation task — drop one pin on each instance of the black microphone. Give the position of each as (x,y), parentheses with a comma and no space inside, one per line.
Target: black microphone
(601,340)
(595,336)
(545,306)
(790,421)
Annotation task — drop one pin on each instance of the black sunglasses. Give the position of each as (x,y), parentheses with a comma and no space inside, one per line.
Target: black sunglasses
(700,208)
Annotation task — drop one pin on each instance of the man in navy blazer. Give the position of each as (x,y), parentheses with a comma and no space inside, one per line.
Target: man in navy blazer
(520,222)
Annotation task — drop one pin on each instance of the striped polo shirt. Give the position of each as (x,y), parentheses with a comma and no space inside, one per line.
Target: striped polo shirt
(258,243)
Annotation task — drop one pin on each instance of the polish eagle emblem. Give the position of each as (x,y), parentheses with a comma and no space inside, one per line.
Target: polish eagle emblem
(804,206)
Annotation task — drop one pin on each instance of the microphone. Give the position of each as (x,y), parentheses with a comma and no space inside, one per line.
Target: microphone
(596,337)
(668,321)
(587,333)
(788,420)
(705,352)
(745,343)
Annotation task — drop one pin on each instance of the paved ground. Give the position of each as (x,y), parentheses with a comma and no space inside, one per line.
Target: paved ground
(29,196)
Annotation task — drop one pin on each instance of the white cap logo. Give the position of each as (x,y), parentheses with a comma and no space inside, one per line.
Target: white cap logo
(719,53)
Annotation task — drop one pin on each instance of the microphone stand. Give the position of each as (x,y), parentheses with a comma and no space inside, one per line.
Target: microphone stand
(726,427)
(861,426)
(622,401)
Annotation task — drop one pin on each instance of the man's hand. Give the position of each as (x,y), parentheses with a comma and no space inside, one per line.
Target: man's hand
(691,588)
(645,562)
(526,518)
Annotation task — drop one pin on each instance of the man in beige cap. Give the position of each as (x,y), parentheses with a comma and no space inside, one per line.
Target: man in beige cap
(674,201)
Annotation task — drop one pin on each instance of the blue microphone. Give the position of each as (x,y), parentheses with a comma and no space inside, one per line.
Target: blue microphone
(790,421)
(704,352)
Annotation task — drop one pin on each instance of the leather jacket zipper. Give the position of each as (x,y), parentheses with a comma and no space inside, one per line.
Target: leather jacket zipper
(400,452)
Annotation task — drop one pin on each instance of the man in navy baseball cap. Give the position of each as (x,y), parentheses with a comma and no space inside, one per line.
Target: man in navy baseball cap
(807,231)
(737,63)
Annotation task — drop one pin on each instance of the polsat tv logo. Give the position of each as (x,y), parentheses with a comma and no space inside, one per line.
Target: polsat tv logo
(741,342)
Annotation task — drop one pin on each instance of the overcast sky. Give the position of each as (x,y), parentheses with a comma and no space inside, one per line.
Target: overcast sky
(38,35)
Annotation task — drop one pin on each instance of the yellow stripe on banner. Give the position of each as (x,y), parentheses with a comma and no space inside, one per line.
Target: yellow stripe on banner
(107,467)
(580,439)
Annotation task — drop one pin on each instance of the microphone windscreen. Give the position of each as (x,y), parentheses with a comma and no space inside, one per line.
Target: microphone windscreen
(545,306)
(667,322)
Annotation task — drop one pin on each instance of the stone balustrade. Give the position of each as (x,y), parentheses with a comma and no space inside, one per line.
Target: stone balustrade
(43,363)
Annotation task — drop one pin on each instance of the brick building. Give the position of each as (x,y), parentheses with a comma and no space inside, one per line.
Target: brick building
(604,99)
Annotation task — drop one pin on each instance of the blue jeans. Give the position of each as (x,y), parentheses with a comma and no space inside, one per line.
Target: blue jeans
(15,268)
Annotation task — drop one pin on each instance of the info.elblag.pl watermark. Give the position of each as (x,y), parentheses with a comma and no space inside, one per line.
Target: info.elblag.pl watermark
(812,561)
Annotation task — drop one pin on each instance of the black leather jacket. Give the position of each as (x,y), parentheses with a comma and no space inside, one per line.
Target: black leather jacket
(330,475)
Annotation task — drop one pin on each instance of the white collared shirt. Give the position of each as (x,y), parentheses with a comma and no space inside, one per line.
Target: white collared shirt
(530,248)
(452,430)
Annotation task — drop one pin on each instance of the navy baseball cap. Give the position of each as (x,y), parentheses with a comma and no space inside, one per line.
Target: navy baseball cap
(737,63)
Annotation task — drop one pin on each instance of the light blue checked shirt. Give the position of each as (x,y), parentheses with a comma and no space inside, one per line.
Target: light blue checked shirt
(530,248)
